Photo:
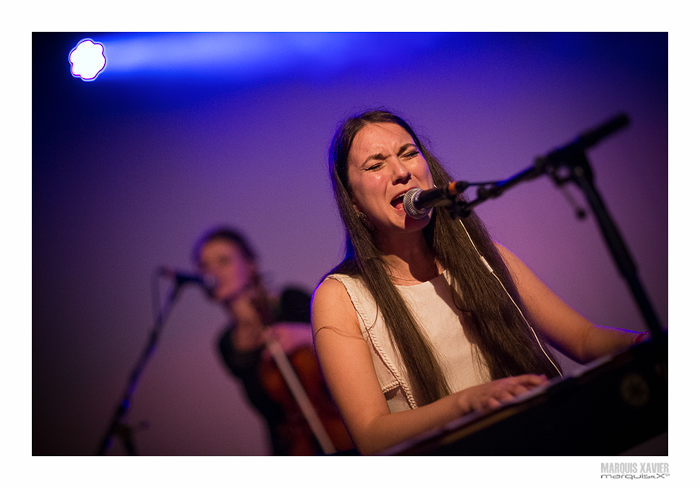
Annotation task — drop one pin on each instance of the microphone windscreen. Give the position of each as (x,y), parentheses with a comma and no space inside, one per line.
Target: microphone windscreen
(409,205)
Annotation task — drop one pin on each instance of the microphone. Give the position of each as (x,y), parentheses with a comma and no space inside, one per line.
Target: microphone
(417,203)
(208,282)
(589,139)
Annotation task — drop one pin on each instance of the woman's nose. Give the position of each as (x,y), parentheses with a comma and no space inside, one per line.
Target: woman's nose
(400,171)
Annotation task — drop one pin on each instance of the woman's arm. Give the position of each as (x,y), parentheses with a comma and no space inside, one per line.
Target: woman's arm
(564,327)
(347,367)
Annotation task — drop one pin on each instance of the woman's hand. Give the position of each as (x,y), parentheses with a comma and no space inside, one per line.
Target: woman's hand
(489,396)
(241,304)
(246,309)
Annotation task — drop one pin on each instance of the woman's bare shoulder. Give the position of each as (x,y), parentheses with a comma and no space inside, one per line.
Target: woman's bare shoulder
(331,307)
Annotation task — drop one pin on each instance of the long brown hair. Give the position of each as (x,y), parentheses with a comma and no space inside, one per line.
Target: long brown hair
(494,323)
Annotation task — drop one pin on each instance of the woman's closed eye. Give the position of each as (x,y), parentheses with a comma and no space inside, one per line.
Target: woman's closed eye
(374,167)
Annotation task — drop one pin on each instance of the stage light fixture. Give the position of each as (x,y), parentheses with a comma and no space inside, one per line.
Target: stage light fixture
(87,60)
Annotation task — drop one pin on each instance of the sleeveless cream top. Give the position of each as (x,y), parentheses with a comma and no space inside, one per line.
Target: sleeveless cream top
(432,305)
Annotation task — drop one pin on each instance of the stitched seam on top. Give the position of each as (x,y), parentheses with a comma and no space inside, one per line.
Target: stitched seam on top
(346,281)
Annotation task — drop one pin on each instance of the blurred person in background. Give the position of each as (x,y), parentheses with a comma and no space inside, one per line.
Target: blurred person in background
(267,345)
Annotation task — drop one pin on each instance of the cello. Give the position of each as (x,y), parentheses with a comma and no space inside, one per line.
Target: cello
(294,380)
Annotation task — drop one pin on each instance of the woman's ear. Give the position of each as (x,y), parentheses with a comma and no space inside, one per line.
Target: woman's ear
(354,202)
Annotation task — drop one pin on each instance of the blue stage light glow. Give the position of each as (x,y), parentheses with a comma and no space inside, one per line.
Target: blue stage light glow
(250,55)
(87,60)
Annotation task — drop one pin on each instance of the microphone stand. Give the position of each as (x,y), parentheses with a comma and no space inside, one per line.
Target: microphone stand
(117,427)
(573,161)
(582,176)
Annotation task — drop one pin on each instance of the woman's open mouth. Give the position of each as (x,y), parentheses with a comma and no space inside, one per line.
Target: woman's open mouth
(397,202)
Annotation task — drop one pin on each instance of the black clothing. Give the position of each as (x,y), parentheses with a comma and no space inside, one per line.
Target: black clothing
(294,306)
